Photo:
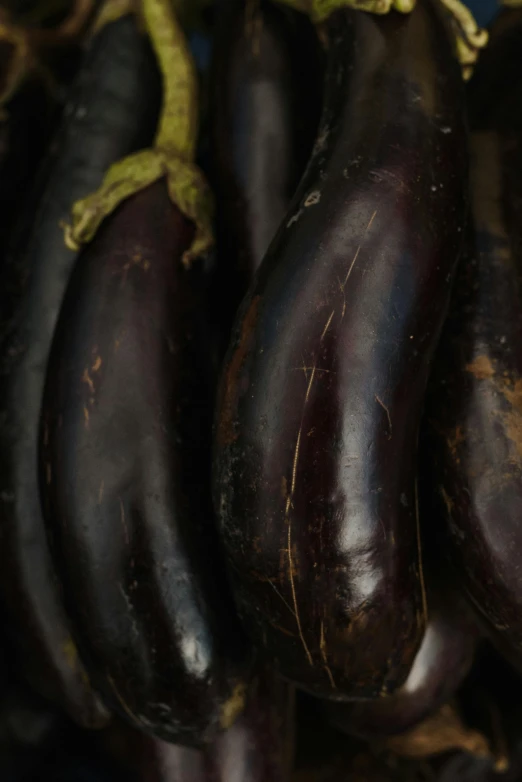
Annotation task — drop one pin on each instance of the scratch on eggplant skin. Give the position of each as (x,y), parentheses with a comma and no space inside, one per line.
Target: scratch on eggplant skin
(342,285)
(121,700)
(294,596)
(387,411)
(100,492)
(226,434)
(86,417)
(327,325)
(448,502)
(322,646)
(48,473)
(97,364)
(297,448)
(419,554)
(278,593)
(124,522)
(86,378)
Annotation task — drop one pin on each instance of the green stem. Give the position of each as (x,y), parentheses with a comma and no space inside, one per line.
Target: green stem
(174,149)
(178,123)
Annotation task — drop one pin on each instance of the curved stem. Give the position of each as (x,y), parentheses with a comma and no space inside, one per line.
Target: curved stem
(173,152)
(177,128)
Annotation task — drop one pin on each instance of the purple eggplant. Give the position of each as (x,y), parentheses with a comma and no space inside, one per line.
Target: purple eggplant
(101,123)
(442,662)
(323,386)
(474,411)
(125,461)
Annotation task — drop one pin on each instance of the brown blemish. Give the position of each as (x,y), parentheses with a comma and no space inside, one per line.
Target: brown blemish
(233,707)
(481,367)
(225,431)
(455,440)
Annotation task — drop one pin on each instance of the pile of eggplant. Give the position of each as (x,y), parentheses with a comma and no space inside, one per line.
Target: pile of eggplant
(260,391)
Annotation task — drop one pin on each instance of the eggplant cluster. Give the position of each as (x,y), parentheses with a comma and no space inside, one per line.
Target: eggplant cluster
(260,389)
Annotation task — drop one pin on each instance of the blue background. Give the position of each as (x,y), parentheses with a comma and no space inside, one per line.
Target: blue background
(482,9)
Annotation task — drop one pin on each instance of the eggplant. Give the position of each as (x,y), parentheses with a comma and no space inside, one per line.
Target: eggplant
(444,659)
(266,91)
(101,123)
(474,411)
(322,389)
(258,747)
(125,463)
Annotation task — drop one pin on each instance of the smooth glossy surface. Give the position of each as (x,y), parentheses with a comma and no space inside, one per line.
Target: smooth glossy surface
(125,469)
(475,410)
(321,395)
(101,125)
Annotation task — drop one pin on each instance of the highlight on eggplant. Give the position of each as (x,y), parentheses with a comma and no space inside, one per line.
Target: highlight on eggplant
(100,124)
(444,659)
(126,428)
(323,386)
(474,410)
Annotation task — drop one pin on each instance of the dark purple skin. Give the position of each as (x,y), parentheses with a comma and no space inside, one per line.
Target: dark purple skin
(440,666)
(265,111)
(474,412)
(24,134)
(125,466)
(323,385)
(257,748)
(99,126)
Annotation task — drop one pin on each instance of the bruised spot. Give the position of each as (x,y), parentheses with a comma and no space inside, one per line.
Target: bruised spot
(225,431)
(481,368)
(233,707)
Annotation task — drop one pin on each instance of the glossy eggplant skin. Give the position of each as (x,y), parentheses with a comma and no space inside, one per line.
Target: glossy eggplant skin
(267,71)
(100,125)
(444,659)
(474,411)
(257,748)
(127,420)
(322,389)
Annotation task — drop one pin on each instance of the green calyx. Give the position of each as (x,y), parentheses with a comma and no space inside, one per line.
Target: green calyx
(173,152)
(470,38)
